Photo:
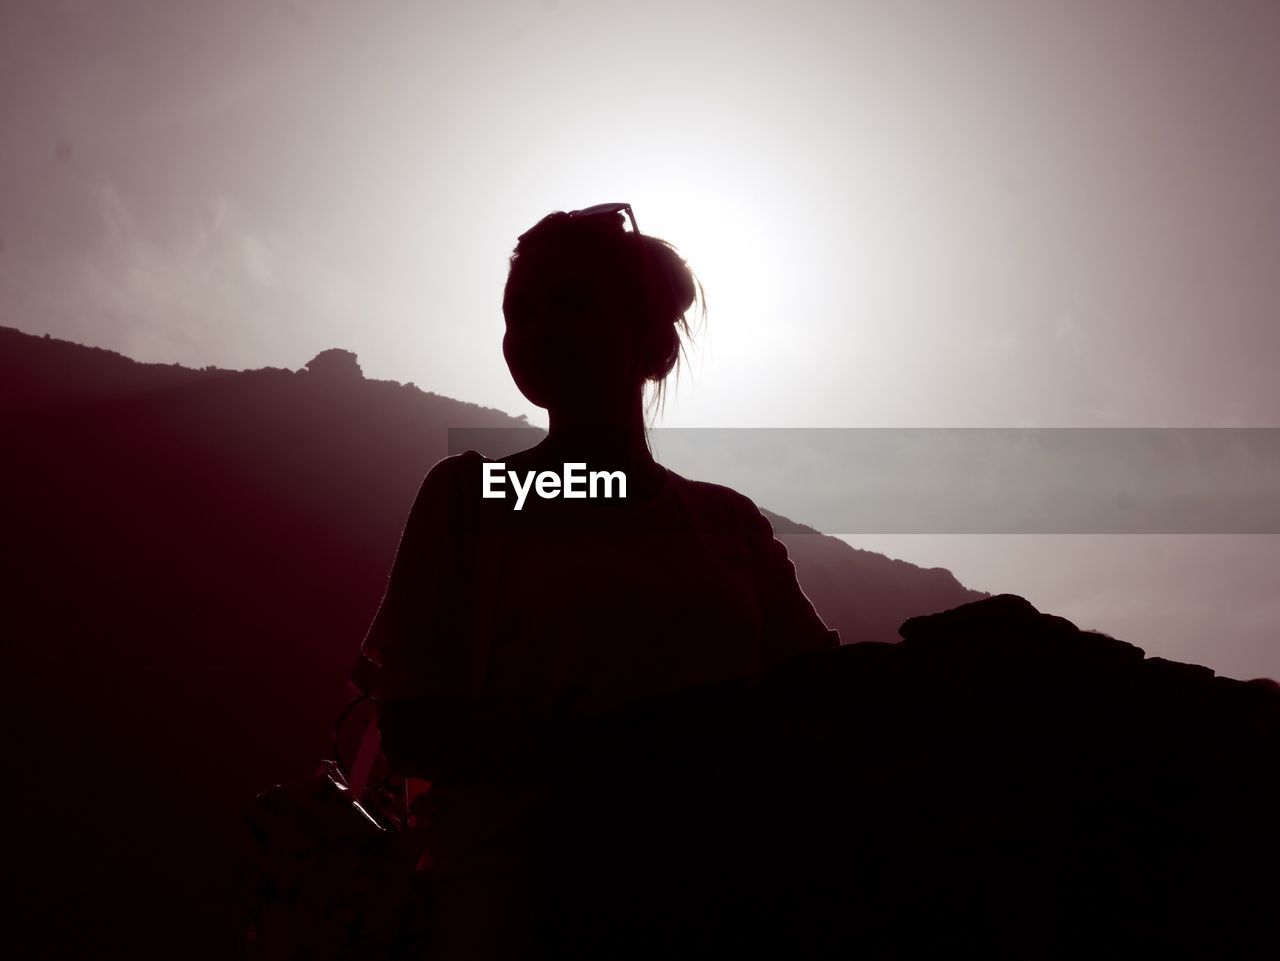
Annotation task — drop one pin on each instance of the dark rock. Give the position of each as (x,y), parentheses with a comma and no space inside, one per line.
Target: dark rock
(336,363)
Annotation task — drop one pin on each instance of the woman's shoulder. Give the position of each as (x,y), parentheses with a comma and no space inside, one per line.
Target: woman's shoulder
(449,481)
(469,458)
(466,464)
(715,502)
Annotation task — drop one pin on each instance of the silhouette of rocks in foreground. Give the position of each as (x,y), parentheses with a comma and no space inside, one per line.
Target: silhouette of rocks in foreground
(998,785)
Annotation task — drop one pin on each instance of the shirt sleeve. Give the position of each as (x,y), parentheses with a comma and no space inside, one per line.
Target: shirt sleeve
(791,624)
(420,637)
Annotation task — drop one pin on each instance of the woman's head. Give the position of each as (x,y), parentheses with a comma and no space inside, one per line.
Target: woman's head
(593,311)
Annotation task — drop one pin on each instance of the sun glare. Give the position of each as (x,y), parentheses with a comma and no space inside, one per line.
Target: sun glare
(724,241)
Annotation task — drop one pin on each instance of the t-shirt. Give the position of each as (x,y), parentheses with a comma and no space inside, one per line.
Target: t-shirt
(588,602)
(579,605)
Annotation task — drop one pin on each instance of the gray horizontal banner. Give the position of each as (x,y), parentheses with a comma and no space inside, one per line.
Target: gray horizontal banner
(1055,480)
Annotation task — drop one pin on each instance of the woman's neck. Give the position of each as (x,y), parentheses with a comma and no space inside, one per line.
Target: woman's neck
(604,437)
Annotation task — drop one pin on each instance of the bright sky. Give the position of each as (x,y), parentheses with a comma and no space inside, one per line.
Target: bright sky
(965,212)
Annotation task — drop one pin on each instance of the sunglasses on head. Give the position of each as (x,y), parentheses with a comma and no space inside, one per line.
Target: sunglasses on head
(598,210)
(602,209)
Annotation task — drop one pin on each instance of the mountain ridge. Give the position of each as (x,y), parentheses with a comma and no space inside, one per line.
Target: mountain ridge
(93,377)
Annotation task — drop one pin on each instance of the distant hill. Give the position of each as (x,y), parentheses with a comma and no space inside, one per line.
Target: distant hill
(192,557)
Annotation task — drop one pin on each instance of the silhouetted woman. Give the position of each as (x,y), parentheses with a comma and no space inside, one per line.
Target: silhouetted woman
(493,617)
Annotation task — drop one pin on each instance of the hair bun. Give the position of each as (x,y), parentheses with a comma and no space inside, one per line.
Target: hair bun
(673,286)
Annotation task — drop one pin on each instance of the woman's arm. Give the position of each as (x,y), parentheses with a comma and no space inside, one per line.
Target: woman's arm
(791,624)
(420,636)
(437,721)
